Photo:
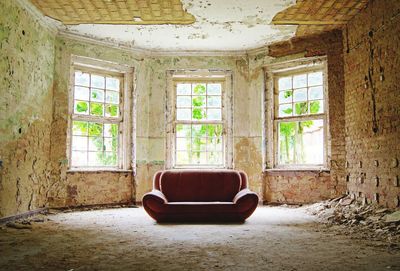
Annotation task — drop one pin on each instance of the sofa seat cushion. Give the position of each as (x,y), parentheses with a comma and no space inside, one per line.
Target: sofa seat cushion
(200,186)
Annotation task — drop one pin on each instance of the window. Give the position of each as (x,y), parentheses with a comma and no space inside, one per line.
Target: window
(199,121)
(299,117)
(98,120)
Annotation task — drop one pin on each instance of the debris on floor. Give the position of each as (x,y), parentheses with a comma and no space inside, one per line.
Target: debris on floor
(360,220)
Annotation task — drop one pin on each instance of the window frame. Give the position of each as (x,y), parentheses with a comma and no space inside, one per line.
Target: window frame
(208,77)
(271,119)
(125,120)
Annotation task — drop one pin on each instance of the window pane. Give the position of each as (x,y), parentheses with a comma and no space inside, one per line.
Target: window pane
(301,108)
(111,144)
(97,81)
(95,129)
(183,130)
(199,144)
(285,96)
(97,95)
(300,81)
(315,93)
(214,144)
(78,158)
(96,109)
(79,143)
(285,110)
(109,159)
(285,83)
(79,128)
(300,95)
(213,89)
(214,101)
(183,143)
(183,114)
(214,114)
(199,101)
(199,158)
(110,130)
(81,79)
(315,78)
(301,142)
(112,110)
(81,93)
(183,101)
(317,107)
(182,157)
(95,159)
(112,97)
(214,158)
(199,89)
(198,130)
(198,114)
(96,144)
(183,89)
(81,107)
(112,83)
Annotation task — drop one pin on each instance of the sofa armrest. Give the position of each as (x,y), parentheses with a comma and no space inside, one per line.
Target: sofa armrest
(157,195)
(244,193)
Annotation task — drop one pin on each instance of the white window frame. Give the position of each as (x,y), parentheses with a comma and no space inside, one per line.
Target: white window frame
(271,119)
(126,120)
(200,76)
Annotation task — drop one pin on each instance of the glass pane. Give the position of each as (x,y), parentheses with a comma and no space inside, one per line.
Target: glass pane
(97,95)
(214,101)
(79,143)
(96,109)
(110,144)
(183,101)
(96,144)
(81,79)
(199,89)
(300,81)
(300,108)
(198,130)
(183,130)
(300,95)
(97,81)
(213,89)
(315,78)
(78,158)
(183,114)
(199,101)
(110,159)
(183,89)
(213,130)
(317,107)
(112,110)
(95,129)
(183,143)
(285,96)
(285,83)
(214,114)
(182,158)
(214,144)
(95,159)
(112,97)
(110,130)
(285,110)
(79,128)
(214,158)
(198,114)
(81,107)
(315,93)
(199,144)
(301,142)
(112,83)
(81,93)
(199,158)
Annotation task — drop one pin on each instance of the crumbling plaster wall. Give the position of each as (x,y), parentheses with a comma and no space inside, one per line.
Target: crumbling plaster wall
(26,84)
(372,63)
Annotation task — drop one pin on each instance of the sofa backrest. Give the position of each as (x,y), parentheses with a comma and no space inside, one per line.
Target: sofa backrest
(200,185)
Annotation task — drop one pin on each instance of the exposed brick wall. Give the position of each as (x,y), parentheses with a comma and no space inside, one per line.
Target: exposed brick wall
(372,76)
(306,187)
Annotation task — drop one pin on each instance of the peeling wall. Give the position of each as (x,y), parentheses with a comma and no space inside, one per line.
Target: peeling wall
(26,85)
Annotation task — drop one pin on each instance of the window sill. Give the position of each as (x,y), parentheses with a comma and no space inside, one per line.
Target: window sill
(296,171)
(94,170)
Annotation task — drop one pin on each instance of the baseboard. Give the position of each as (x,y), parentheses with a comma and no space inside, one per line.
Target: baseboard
(23,215)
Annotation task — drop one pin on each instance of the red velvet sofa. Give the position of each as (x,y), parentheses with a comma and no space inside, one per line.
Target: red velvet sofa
(200,196)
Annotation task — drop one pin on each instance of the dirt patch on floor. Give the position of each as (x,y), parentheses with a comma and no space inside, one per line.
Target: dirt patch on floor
(274,238)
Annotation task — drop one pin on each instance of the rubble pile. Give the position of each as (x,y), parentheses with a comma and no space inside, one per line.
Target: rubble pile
(358,219)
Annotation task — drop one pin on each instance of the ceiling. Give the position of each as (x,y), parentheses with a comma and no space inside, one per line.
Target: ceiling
(197,25)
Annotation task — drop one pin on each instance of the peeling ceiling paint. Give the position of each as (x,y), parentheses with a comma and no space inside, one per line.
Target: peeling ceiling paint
(221,25)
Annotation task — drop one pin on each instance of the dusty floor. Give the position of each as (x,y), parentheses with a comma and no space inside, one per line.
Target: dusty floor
(274,238)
